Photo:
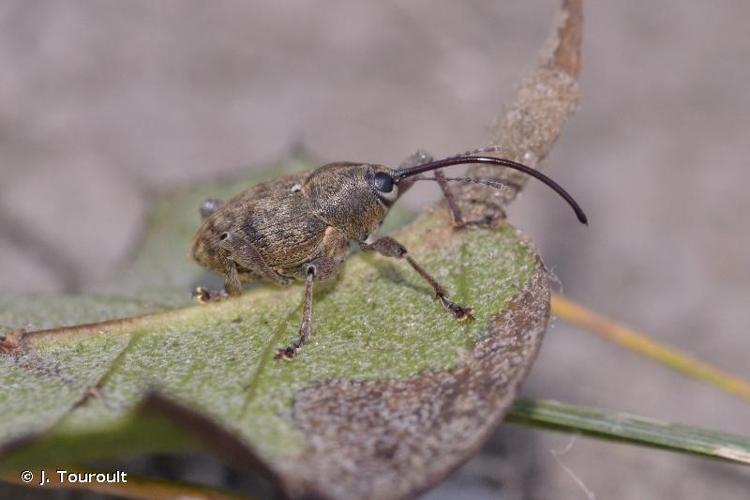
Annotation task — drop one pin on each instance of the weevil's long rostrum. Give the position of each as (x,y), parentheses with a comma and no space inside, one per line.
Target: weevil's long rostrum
(299,227)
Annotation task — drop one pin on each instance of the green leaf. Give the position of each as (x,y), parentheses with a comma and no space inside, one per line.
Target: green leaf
(632,429)
(37,312)
(390,381)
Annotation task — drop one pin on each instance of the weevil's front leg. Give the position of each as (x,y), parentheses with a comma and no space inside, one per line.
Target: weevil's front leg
(456,217)
(391,248)
(421,157)
(319,269)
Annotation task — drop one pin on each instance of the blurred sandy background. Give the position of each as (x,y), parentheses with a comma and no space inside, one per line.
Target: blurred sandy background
(103,104)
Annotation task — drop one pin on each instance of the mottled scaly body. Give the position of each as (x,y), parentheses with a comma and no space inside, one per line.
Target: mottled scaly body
(291,221)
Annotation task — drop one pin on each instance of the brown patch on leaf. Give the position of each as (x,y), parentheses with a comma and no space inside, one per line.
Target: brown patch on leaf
(394,438)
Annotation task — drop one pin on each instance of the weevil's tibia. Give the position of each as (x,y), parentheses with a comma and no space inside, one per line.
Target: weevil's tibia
(389,247)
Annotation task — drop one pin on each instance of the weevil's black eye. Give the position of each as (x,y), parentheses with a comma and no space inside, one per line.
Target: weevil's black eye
(383,182)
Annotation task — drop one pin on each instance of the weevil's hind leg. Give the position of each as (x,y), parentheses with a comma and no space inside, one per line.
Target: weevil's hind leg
(242,251)
(209,206)
(319,269)
(391,248)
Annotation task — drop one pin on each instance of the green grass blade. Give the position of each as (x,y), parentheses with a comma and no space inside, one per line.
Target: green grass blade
(632,429)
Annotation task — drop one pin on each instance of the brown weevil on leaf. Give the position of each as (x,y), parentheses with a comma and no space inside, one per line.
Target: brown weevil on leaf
(300,226)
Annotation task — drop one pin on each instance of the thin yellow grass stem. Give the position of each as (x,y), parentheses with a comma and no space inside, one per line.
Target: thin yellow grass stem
(639,342)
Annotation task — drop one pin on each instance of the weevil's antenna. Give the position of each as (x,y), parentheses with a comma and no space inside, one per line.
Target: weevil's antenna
(468,180)
(403,173)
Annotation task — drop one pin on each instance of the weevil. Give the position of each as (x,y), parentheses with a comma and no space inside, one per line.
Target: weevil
(300,227)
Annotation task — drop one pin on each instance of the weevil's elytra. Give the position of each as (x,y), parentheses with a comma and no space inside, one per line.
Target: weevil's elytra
(299,227)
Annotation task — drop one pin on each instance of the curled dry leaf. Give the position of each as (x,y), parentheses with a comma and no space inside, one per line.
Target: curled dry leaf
(527,130)
(390,395)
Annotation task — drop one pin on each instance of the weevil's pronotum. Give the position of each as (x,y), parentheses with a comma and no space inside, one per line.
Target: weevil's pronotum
(300,227)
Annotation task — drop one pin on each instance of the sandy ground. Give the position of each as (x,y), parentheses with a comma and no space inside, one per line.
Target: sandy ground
(104,103)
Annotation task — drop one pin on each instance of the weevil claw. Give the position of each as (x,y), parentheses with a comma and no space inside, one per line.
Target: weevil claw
(460,312)
(285,353)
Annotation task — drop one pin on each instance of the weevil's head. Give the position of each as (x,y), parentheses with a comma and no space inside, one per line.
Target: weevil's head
(353,197)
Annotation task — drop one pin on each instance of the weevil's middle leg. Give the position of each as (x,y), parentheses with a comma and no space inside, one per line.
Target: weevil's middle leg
(305,328)
(320,269)
(391,248)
